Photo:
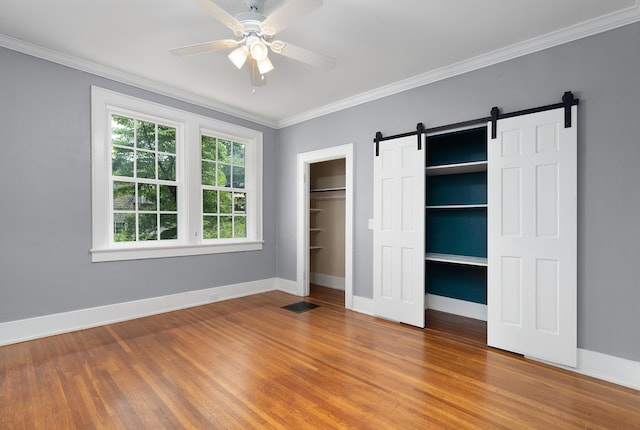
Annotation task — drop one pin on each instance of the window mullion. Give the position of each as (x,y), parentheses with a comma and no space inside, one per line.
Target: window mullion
(193,188)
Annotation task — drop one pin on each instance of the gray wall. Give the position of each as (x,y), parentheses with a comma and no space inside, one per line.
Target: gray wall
(45,202)
(604,72)
(45,206)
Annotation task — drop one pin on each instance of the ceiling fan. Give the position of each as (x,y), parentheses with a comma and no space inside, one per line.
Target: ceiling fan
(255,37)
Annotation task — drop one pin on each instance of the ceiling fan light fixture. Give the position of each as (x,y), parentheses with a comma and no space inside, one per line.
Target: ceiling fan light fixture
(258,50)
(265,66)
(239,56)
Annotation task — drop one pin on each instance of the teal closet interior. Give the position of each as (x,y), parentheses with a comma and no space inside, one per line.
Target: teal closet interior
(456,214)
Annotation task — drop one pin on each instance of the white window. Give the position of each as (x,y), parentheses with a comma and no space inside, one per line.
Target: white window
(166,182)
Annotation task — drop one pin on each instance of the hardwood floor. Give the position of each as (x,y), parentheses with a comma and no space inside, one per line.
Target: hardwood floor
(247,363)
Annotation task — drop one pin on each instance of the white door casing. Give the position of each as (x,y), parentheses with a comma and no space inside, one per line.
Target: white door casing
(398,236)
(302,248)
(532,236)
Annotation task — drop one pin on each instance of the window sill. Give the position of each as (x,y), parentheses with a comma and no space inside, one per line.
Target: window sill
(120,254)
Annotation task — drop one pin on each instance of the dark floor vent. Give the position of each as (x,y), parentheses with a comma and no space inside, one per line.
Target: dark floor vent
(300,307)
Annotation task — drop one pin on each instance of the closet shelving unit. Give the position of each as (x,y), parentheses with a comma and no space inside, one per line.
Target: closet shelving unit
(316,210)
(456,214)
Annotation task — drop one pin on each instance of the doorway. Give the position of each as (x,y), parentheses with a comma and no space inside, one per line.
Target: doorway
(325,212)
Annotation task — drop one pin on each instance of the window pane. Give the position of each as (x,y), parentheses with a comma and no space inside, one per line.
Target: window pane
(209,201)
(146,165)
(147,197)
(210,227)
(238,154)
(168,198)
(166,139)
(239,203)
(146,135)
(168,226)
(225,202)
(226,227)
(208,173)
(121,130)
(148,226)
(124,227)
(240,226)
(224,175)
(208,148)
(224,151)
(122,162)
(167,167)
(124,196)
(238,177)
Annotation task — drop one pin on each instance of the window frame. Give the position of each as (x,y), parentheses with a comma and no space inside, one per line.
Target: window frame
(189,128)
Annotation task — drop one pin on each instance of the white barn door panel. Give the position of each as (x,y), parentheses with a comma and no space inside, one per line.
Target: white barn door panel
(398,236)
(532,245)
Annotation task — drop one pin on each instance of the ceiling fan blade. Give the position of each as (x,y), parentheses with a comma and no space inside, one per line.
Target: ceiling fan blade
(221,15)
(199,48)
(287,14)
(305,56)
(257,80)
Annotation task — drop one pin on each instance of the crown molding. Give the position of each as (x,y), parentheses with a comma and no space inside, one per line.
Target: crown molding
(569,34)
(129,79)
(549,40)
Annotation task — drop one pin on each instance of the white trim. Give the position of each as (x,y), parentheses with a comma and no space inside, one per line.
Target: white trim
(335,282)
(569,34)
(364,305)
(605,367)
(597,365)
(457,307)
(287,286)
(540,43)
(119,254)
(302,255)
(189,127)
(130,79)
(49,325)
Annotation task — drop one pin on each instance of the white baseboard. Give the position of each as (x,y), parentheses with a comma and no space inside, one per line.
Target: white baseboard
(601,366)
(49,325)
(286,286)
(608,368)
(613,369)
(456,307)
(329,281)
(364,305)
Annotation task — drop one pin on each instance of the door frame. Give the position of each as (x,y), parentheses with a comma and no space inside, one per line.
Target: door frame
(302,254)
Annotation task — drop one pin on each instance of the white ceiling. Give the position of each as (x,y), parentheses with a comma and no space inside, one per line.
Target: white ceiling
(381,46)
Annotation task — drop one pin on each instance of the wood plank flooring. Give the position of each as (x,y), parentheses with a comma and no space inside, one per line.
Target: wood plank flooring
(247,363)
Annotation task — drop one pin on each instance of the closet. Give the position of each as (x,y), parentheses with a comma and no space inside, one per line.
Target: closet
(492,206)
(456,215)
(327,224)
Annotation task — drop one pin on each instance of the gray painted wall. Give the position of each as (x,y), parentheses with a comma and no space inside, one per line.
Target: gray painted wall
(45,206)
(604,72)
(45,201)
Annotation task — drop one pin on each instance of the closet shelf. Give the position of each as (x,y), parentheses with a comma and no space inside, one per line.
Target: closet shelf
(324,190)
(457,168)
(457,206)
(456,259)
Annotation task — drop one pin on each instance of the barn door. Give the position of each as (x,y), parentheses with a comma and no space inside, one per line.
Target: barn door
(532,193)
(398,236)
